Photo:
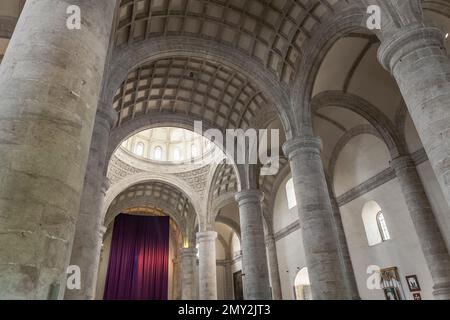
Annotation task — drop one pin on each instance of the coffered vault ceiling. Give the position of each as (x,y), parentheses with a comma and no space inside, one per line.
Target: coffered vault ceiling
(224,181)
(154,194)
(275,33)
(190,87)
(271,32)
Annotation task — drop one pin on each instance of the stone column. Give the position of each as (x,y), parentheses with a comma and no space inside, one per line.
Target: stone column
(228,281)
(430,237)
(207,265)
(254,259)
(351,288)
(177,278)
(273,267)
(50,80)
(416,57)
(315,212)
(188,258)
(87,245)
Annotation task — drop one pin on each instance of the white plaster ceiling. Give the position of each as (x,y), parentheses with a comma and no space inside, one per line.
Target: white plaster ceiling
(331,123)
(224,230)
(230,211)
(361,159)
(351,65)
(372,82)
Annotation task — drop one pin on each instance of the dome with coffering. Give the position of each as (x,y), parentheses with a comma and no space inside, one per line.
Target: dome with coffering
(168,144)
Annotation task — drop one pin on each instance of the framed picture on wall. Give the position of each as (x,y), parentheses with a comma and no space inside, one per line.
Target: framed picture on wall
(417,296)
(413,283)
(391,293)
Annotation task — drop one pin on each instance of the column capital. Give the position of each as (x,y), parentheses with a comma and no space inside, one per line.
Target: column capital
(402,162)
(406,40)
(188,252)
(205,236)
(105,112)
(309,143)
(252,195)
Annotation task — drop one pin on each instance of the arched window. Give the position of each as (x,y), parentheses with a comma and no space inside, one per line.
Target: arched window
(176,154)
(157,153)
(302,285)
(139,149)
(375,224)
(382,226)
(290,194)
(194,151)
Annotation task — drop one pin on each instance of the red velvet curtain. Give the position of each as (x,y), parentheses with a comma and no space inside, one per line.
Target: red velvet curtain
(139,259)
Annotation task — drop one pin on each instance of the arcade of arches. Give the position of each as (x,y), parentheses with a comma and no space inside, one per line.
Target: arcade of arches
(98,123)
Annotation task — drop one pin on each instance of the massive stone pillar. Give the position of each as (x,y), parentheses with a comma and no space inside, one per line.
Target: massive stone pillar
(188,258)
(417,58)
(228,280)
(254,259)
(87,243)
(177,290)
(430,237)
(50,80)
(207,265)
(273,267)
(351,288)
(315,211)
